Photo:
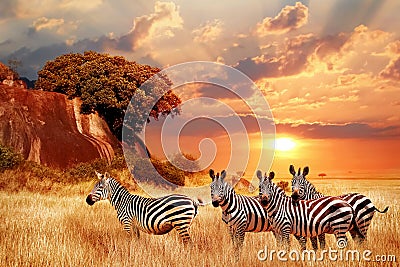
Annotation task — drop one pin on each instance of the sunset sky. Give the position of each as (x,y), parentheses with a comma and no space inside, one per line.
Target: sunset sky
(330,70)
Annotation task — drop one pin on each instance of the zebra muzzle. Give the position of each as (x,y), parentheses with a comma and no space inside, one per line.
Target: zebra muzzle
(215,203)
(295,195)
(264,200)
(89,200)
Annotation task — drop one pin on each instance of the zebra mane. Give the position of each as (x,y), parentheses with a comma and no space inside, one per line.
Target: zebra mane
(311,188)
(228,186)
(278,190)
(116,187)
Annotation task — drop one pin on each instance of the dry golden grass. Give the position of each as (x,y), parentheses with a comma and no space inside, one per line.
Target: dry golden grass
(60,229)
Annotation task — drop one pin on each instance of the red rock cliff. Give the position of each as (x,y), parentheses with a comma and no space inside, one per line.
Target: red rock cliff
(47,128)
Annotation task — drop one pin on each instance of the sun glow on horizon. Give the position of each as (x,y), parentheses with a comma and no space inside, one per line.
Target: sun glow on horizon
(284,144)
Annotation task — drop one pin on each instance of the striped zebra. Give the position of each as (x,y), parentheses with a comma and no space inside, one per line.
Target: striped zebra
(241,213)
(363,208)
(156,216)
(306,218)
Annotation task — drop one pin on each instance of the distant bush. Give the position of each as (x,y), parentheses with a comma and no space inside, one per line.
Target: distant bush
(284,185)
(170,172)
(186,162)
(149,171)
(8,158)
(86,170)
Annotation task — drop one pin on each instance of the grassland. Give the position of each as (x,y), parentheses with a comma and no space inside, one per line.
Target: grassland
(57,228)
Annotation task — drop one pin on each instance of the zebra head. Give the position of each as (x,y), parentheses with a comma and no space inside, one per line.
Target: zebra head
(217,187)
(266,187)
(101,189)
(298,182)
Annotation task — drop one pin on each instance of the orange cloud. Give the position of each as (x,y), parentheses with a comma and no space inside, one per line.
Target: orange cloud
(162,23)
(46,23)
(208,32)
(290,18)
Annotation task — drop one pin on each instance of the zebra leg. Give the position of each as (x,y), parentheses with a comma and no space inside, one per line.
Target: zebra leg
(183,232)
(285,237)
(131,228)
(239,240)
(302,241)
(135,231)
(278,238)
(322,242)
(314,242)
(356,237)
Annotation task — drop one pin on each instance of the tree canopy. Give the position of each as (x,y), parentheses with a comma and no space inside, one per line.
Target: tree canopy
(106,84)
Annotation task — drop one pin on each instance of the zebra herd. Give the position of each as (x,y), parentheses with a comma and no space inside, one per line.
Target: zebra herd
(305,214)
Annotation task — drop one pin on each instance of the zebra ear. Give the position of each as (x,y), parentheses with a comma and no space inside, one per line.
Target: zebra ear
(291,170)
(212,175)
(223,174)
(271,176)
(305,171)
(259,175)
(106,175)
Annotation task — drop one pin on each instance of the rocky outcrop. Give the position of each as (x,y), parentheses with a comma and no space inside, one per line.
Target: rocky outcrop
(48,128)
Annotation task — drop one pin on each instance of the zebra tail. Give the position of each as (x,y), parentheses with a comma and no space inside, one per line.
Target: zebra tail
(196,203)
(199,202)
(384,211)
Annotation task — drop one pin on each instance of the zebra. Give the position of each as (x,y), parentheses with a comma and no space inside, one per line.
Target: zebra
(156,216)
(363,207)
(241,213)
(306,218)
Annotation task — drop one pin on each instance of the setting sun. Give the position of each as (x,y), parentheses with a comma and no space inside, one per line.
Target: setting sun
(284,144)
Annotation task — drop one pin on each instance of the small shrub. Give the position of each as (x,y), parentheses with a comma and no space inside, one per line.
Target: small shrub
(284,185)
(86,170)
(8,158)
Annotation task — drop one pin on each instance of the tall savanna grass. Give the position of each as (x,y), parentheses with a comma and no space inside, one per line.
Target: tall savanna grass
(57,228)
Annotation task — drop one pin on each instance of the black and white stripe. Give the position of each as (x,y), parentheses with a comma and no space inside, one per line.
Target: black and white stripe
(241,213)
(306,218)
(151,215)
(363,207)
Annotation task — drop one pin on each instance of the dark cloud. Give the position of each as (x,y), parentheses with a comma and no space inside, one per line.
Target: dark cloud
(350,130)
(293,56)
(34,60)
(330,44)
(257,69)
(292,59)
(392,70)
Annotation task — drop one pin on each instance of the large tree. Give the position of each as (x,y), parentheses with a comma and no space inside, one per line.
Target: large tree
(106,84)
